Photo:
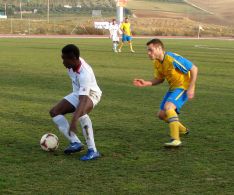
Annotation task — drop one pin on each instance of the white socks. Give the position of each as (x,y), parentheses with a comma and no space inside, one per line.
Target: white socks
(87,129)
(115,46)
(86,126)
(63,127)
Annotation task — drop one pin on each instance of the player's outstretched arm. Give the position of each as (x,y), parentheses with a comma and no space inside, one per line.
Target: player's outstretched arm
(143,83)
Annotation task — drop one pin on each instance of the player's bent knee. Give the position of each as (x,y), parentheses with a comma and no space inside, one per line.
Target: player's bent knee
(161,115)
(169,106)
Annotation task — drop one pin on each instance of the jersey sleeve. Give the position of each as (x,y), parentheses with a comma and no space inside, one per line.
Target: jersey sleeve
(84,84)
(182,64)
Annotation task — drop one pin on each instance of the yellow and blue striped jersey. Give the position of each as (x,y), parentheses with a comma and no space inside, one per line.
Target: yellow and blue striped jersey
(175,69)
(126,28)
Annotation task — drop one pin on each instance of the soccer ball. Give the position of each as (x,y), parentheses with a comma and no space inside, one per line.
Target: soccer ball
(49,142)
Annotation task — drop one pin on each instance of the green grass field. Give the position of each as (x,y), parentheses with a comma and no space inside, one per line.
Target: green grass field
(130,138)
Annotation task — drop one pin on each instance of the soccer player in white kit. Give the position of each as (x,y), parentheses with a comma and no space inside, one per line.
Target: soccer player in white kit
(86,94)
(114,31)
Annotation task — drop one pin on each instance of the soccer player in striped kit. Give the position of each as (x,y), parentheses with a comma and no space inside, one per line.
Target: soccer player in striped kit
(181,75)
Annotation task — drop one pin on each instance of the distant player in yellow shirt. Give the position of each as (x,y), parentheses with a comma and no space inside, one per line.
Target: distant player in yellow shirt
(181,75)
(127,34)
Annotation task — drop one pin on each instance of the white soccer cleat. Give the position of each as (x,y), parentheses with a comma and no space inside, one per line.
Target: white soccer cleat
(173,143)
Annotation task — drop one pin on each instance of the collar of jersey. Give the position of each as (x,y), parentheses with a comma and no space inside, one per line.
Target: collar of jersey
(78,68)
(163,58)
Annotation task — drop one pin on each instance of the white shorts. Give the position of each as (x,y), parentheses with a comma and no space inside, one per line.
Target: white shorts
(115,38)
(73,98)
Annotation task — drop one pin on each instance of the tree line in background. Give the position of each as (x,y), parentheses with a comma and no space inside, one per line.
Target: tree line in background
(61,6)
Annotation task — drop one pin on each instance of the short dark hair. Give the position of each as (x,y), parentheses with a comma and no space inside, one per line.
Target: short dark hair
(72,50)
(156,42)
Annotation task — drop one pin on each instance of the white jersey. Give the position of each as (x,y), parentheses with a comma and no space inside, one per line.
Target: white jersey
(83,80)
(114,30)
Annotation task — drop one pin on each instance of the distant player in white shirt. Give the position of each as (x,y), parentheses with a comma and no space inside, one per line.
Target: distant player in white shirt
(114,34)
(86,94)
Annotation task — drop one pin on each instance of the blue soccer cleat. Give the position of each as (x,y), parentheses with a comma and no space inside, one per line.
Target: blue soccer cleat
(91,155)
(74,147)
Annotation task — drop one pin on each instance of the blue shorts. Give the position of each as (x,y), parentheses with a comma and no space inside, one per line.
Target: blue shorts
(126,38)
(177,96)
